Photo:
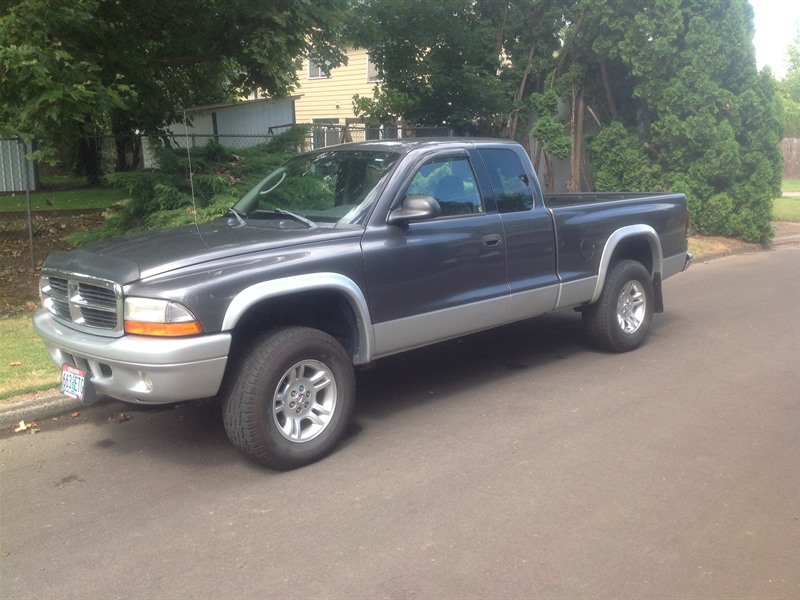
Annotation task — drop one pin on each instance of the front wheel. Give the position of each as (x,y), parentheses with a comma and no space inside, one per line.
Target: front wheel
(620,319)
(292,398)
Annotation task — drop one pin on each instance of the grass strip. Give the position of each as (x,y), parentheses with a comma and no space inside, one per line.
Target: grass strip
(25,365)
(786,209)
(75,199)
(790,185)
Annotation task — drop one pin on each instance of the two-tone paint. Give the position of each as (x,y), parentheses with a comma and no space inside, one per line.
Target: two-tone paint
(381,288)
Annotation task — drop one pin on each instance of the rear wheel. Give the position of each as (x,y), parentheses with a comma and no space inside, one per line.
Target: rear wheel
(620,319)
(292,398)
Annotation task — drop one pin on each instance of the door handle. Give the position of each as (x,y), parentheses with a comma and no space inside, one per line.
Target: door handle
(492,241)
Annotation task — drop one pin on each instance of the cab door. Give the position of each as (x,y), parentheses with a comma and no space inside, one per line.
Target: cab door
(439,278)
(529,234)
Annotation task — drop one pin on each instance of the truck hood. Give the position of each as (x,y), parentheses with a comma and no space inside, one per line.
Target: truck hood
(137,256)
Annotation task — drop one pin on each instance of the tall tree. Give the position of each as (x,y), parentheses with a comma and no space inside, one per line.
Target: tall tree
(668,90)
(465,63)
(70,69)
(789,89)
(702,114)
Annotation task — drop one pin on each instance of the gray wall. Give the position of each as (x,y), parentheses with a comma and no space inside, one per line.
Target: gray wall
(13,166)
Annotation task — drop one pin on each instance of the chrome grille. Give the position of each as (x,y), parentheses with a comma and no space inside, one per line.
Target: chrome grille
(88,304)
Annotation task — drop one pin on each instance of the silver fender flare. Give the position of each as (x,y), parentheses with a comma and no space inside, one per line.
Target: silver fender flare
(275,288)
(614,240)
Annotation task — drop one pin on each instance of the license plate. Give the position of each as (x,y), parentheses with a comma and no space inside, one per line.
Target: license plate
(73,382)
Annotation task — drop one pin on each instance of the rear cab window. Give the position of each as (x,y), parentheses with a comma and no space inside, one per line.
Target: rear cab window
(510,182)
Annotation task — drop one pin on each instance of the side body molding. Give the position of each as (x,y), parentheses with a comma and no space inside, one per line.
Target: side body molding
(303,283)
(630,231)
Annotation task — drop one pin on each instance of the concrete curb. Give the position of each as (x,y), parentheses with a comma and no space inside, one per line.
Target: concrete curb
(747,248)
(38,408)
(50,405)
(786,239)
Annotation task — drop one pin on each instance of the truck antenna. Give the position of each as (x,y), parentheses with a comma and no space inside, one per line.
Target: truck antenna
(191,176)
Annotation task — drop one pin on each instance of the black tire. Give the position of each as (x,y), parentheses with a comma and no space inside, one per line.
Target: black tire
(620,319)
(292,398)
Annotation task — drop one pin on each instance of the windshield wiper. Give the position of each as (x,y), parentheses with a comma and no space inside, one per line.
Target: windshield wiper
(296,217)
(239,215)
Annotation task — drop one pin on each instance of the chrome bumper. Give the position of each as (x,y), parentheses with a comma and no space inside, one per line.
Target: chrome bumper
(140,369)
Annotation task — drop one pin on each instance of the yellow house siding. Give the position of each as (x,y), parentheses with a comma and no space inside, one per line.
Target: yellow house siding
(332,97)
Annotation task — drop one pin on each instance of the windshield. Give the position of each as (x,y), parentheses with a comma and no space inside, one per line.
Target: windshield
(330,187)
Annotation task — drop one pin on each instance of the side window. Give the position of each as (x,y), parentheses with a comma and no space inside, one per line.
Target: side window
(451,182)
(509,180)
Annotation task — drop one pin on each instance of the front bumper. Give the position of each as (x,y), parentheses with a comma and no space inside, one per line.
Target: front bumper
(140,369)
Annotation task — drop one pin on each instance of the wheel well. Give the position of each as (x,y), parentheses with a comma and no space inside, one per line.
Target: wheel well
(325,310)
(634,248)
(639,249)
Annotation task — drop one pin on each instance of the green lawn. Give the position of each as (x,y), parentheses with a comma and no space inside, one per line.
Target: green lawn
(790,185)
(25,365)
(786,209)
(72,199)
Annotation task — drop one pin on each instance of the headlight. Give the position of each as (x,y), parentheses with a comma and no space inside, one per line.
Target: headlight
(148,316)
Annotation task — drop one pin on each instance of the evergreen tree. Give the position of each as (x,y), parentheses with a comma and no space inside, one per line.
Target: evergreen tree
(704,115)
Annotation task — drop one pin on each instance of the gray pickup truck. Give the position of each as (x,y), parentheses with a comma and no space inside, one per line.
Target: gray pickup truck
(337,258)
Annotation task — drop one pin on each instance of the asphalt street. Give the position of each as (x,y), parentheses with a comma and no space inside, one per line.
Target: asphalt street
(516,463)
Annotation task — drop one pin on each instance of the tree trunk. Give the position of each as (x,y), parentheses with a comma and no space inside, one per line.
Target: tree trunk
(612,103)
(567,48)
(88,160)
(537,157)
(137,159)
(121,145)
(501,32)
(578,111)
(511,130)
(549,183)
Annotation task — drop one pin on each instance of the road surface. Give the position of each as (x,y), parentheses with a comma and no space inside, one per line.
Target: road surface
(516,463)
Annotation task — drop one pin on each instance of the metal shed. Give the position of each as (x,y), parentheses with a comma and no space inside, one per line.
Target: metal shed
(17,173)
(237,124)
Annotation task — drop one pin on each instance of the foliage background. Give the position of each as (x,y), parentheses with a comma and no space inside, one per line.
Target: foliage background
(632,94)
(664,94)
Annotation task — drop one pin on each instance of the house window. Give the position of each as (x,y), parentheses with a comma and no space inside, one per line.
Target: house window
(373,74)
(317,70)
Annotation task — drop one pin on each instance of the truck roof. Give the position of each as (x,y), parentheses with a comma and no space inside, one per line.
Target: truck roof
(404,145)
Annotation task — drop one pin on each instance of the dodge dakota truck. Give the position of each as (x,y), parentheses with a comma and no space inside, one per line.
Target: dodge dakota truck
(337,258)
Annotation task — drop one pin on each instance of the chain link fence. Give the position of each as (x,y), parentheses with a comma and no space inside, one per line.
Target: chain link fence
(108,154)
(320,135)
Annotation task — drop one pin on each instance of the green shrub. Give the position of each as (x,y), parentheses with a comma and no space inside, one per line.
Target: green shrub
(167,196)
(620,162)
(716,214)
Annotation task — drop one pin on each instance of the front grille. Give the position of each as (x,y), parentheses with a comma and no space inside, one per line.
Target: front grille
(92,305)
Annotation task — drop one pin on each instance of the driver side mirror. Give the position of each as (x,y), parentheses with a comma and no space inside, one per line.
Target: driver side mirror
(414,208)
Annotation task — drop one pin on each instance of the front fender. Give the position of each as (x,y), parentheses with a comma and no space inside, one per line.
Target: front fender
(275,288)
